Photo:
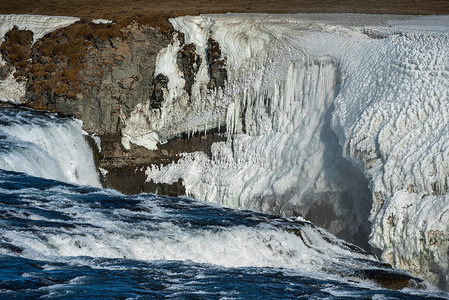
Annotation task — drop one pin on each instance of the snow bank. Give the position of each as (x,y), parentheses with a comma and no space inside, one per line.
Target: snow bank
(39,25)
(11,90)
(102,21)
(318,108)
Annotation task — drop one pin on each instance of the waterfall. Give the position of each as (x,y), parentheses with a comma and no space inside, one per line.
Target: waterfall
(46,146)
(282,157)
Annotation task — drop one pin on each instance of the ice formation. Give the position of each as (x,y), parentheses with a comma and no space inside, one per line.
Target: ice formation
(341,116)
(10,89)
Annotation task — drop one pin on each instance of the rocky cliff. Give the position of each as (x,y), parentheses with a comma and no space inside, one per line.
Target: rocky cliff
(98,73)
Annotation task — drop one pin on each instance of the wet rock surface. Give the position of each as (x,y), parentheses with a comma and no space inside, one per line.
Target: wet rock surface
(125,169)
(392,279)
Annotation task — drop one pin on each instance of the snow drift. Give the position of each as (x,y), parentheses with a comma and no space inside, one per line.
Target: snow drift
(338,121)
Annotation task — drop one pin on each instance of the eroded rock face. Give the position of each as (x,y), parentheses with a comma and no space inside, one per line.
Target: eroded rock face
(124,170)
(95,72)
(101,83)
(99,73)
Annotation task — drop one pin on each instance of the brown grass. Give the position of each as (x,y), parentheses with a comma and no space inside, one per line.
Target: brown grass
(58,59)
(151,10)
(16,48)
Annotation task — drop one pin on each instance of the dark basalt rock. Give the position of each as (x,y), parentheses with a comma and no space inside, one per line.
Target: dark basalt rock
(189,63)
(131,180)
(160,83)
(217,71)
(126,168)
(392,279)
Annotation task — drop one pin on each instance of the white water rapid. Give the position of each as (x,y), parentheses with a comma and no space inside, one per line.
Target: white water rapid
(45,146)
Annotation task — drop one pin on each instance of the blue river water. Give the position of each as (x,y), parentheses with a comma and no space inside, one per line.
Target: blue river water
(63,241)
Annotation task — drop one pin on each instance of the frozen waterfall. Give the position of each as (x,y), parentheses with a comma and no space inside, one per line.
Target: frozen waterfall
(340,119)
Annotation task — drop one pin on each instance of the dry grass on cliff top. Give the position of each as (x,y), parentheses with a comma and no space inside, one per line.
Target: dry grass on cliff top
(52,51)
(151,9)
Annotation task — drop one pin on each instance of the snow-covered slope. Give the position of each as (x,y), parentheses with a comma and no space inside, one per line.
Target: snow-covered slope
(11,90)
(338,118)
